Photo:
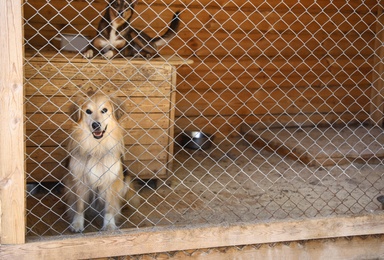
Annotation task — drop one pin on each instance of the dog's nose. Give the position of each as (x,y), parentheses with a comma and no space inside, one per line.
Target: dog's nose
(96,125)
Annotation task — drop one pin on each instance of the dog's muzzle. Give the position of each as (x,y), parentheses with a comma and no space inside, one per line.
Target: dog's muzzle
(97,131)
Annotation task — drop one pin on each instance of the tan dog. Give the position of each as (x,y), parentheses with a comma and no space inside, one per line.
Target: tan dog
(96,150)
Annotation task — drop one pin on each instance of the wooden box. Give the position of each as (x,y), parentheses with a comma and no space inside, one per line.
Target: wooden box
(147,88)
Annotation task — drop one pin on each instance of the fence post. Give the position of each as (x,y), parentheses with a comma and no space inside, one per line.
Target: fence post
(377,108)
(12,174)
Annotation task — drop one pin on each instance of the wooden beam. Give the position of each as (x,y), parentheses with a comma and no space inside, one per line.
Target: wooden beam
(366,247)
(12,179)
(153,240)
(377,93)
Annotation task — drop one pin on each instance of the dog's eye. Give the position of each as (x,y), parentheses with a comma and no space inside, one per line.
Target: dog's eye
(88,111)
(104,110)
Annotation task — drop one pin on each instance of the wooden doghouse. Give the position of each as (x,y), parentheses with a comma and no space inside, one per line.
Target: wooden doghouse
(147,88)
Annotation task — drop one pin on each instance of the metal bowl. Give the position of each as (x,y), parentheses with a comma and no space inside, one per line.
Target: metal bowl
(196,140)
(73,42)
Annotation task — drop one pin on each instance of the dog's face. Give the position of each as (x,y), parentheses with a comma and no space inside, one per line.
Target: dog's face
(97,113)
(121,10)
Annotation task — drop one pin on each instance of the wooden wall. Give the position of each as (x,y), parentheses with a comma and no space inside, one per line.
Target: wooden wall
(273,62)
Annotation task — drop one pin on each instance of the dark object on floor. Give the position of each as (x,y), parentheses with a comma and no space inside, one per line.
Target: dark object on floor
(196,140)
(381,200)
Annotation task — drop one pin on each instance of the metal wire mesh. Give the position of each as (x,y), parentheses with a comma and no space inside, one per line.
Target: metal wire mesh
(283,89)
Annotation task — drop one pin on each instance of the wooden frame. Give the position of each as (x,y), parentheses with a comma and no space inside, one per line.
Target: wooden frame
(12,190)
(377,92)
(12,176)
(168,239)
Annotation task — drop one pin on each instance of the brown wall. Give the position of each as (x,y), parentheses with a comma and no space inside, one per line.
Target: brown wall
(254,62)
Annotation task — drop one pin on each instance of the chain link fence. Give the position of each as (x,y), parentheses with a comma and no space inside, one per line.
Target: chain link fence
(285,93)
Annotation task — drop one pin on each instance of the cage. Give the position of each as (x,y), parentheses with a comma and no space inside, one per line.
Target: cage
(290,93)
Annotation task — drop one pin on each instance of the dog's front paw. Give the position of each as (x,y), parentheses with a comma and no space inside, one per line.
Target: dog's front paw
(109,54)
(77,224)
(88,54)
(109,227)
(109,223)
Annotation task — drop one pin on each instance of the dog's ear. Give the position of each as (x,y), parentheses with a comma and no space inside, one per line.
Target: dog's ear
(75,109)
(90,93)
(118,107)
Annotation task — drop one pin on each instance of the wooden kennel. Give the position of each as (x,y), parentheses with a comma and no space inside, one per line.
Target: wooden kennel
(148,91)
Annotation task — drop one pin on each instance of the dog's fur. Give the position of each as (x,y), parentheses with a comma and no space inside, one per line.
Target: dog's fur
(117,36)
(96,172)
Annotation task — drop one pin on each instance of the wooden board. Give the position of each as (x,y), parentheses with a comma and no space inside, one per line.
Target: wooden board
(12,181)
(321,146)
(166,239)
(377,104)
(362,247)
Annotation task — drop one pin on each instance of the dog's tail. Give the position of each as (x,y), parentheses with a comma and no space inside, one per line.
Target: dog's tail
(170,33)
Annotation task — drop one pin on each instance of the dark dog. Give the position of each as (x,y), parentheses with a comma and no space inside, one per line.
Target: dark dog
(117,36)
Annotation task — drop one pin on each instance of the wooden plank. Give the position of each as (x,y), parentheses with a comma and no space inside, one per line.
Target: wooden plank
(148,65)
(211,19)
(264,80)
(166,239)
(287,43)
(287,120)
(50,172)
(172,115)
(241,42)
(158,16)
(273,72)
(310,6)
(56,137)
(61,120)
(377,94)
(230,20)
(55,171)
(57,103)
(71,87)
(265,63)
(12,180)
(366,247)
(263,101)
(94,70)
(133,152)
(149,169)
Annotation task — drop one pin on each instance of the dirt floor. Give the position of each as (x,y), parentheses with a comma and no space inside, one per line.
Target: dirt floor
(233,181)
